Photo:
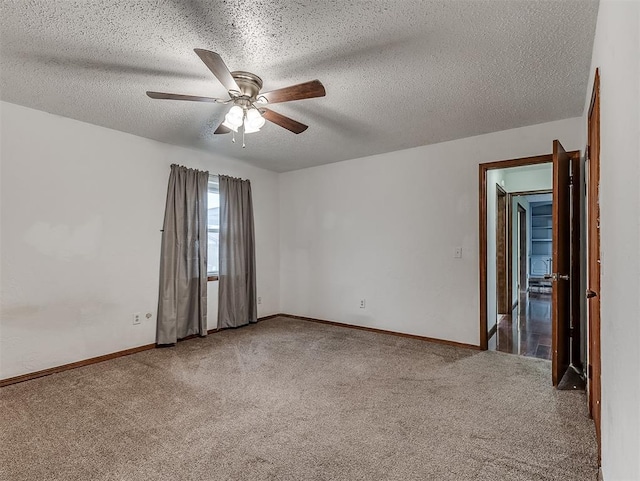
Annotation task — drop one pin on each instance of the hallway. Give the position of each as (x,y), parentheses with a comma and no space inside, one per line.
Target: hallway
(527,330)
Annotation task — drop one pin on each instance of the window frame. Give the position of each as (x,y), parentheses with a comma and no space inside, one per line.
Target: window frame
(212,187)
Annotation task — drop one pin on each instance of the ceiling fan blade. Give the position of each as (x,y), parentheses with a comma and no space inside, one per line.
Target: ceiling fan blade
(222,130)
(307,90)
(218,68)
(162,95)
(283,121)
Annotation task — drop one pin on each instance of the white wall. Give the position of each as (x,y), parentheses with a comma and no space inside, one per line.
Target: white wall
(385,227)
(494,177)
(81,212)
(616,52)
(530,177)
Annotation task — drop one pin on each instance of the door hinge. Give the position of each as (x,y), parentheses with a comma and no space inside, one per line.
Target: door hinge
(571,180)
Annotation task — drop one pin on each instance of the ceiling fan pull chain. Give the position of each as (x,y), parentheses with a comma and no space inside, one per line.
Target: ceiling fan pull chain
(243,138)
(233,137)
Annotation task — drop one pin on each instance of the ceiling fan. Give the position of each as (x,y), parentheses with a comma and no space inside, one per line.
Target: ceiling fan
(249,109)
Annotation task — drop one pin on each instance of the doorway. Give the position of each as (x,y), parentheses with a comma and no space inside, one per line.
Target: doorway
(549,268)
(532,313)
(525,327)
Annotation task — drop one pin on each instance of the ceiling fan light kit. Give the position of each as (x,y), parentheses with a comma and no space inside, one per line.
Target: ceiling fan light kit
(234,118)
(254,120)
(249,118)
(249,105)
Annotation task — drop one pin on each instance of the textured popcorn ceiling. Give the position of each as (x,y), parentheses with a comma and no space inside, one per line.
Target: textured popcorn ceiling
(398,73)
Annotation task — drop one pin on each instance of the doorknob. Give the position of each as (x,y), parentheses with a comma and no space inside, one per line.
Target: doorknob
(591,294)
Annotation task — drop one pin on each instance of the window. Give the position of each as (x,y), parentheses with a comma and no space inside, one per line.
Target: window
(213,226)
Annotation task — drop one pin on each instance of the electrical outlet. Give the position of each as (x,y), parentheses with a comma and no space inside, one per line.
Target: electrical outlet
(458,253)
(259,300)
(136,318)
(363,303)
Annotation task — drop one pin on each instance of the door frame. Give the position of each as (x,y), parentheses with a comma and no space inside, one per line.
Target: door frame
(483,169)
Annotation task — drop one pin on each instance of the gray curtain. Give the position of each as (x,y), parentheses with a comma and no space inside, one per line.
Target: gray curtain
(237,271)
(182,304)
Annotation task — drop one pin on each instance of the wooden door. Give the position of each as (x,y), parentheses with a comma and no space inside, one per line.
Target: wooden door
(593,258)
(561,252)
(503,303)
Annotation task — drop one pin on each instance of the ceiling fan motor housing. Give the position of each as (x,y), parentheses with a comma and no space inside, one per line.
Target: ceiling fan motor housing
(250,84)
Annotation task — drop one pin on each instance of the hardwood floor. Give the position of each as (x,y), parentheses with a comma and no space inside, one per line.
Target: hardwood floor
(527,330)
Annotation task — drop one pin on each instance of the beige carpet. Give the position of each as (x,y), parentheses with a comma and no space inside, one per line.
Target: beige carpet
(294,400)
